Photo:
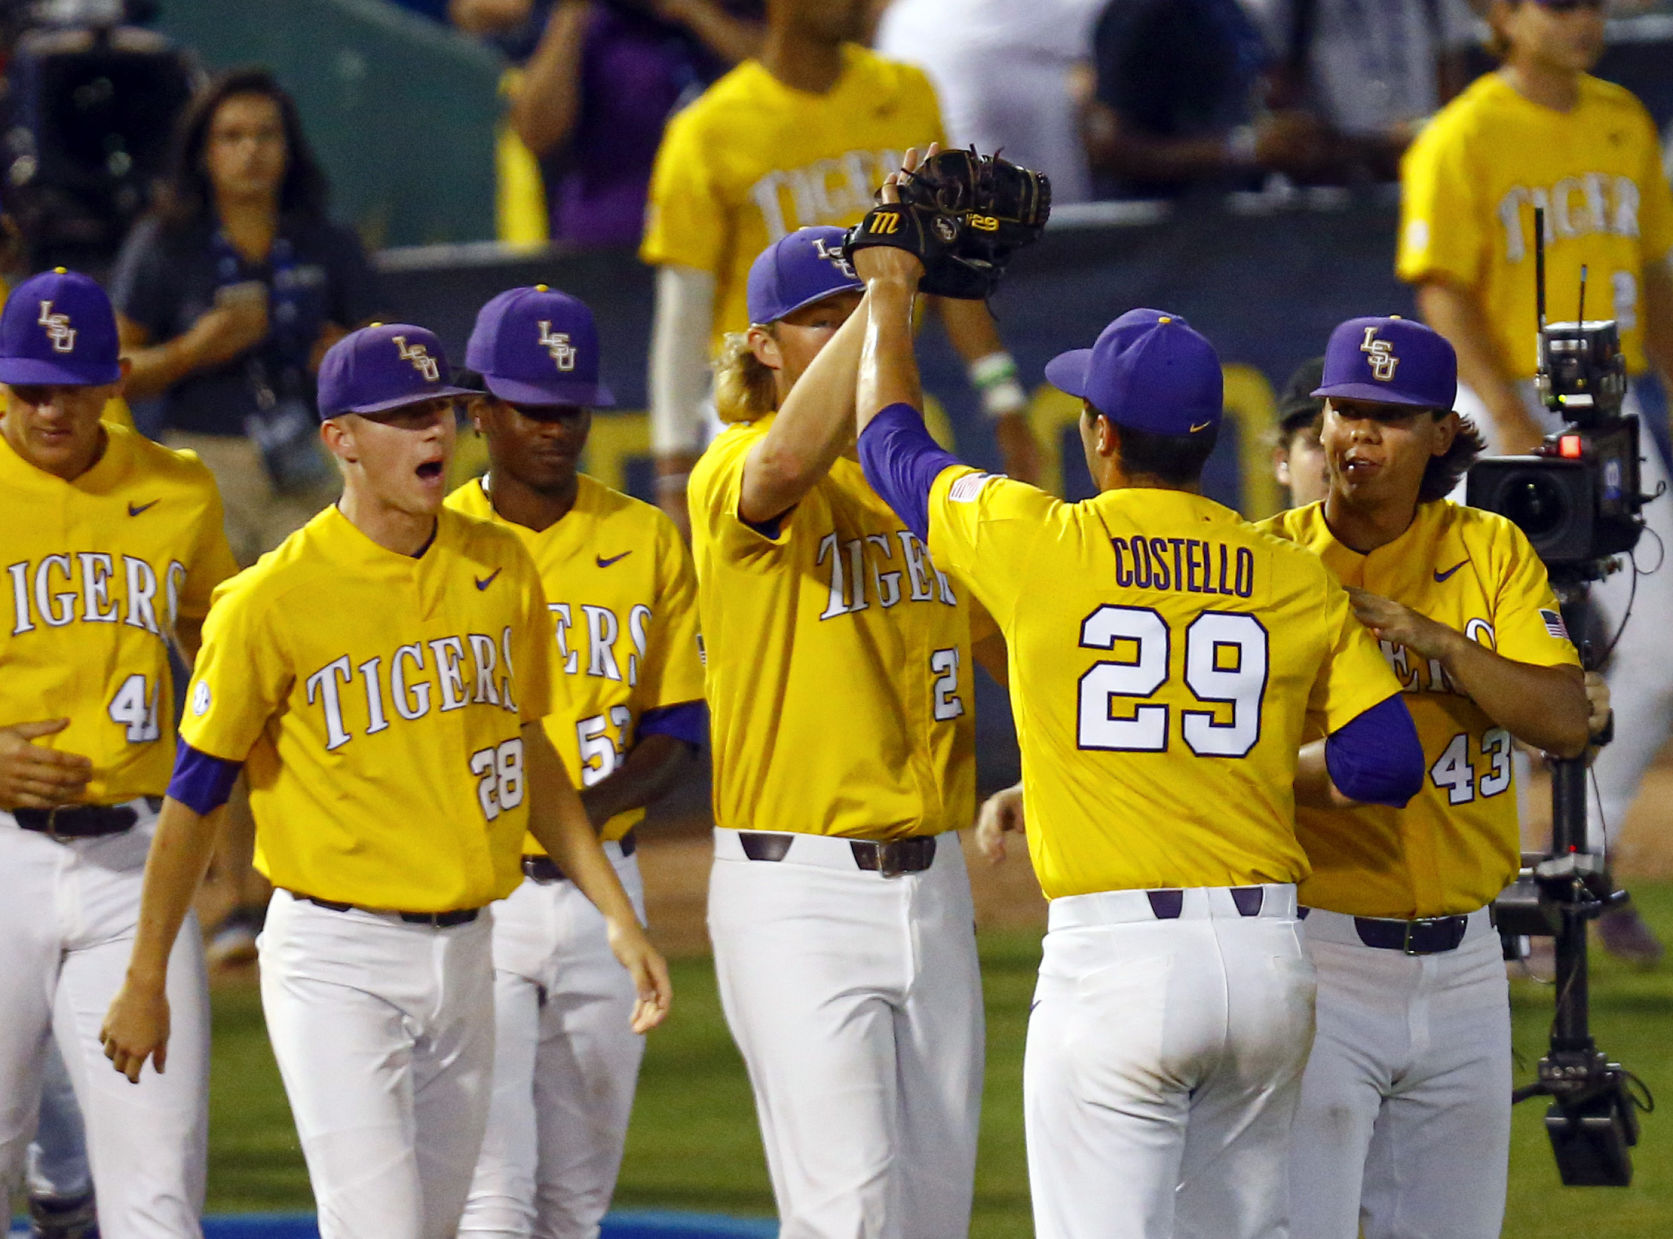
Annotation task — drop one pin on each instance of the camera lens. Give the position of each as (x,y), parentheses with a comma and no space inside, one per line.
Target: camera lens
(1536,505)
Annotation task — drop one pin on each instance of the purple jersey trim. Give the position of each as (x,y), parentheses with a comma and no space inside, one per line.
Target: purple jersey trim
(901,462)
(202,783)
(1377,758)
(688,721)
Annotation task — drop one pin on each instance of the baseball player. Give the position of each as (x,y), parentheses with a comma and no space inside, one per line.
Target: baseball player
(1297,459)
(119,553)
(628,719)
(1165,658)
(1404,1122)
(1542,132)
(797,138)
(838,681)
(381,678)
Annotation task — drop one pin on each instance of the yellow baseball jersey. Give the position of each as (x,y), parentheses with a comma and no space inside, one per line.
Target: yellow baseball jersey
(377,702)
(1456,845)
(1165,659)
(838,668)
(1471,181)
(752,160)
(98,571)
(622,595)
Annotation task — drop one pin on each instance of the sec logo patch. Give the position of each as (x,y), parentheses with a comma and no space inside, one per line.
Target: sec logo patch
(200,699)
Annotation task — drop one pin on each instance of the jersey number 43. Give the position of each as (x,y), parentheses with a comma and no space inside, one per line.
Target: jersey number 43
(1225,665)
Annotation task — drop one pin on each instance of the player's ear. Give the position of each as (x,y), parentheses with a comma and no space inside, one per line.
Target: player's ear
(338,439)
(764,344)
(1281,464)
(1446,430)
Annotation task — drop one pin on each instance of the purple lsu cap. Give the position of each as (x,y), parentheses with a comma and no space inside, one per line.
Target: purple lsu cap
(382,367)
(1390,361)
(797,270)
(536,346)
(58,330)
(1149,370)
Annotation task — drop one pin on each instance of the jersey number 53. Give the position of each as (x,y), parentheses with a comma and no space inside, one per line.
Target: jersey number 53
(1225,665)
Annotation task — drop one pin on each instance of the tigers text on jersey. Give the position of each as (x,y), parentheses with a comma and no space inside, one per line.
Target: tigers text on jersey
(838,667)
(1165,657)
(97,571)
(377,702)
(623,601)
(752,160)
(1456,845)
(1471,181)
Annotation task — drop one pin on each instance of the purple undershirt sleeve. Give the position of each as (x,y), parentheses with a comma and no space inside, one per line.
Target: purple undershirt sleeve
(1377,758)
(901,462)
(202,783)
(687,721)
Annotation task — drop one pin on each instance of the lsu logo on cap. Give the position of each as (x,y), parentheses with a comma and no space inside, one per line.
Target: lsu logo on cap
(58,329)
(834,256)
(1380,355)
(420,358)
(558,345)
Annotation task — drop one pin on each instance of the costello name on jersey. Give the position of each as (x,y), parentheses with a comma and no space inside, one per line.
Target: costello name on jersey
(446,673)
(93,587)
(1185,565)
(856,563)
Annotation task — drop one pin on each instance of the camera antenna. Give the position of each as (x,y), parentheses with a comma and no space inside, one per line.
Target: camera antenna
(1580,316)
(1539,265)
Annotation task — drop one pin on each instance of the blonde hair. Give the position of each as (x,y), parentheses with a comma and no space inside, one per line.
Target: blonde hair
(744,388)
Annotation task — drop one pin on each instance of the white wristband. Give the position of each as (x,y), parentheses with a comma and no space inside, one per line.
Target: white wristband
(995,379)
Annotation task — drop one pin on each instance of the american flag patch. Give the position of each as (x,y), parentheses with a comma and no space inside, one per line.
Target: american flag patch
(969,486)
(1554,624)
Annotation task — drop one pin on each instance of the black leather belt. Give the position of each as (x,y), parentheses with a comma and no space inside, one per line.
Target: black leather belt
(82,821)
(545,869)
(436,920)
(890,857)
(1168,904)
(1429,935)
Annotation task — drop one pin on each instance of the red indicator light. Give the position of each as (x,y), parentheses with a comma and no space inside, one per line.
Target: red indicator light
(1569,447)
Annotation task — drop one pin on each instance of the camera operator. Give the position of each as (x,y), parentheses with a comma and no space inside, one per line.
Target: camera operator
(1542,132)
(1411,1063)
(228,295)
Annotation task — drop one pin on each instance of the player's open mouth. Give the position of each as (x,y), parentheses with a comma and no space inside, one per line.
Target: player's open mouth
(430,470)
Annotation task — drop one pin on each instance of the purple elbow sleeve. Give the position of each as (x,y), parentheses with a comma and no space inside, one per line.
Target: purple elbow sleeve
(902,461)
(1377,758)
(202,783)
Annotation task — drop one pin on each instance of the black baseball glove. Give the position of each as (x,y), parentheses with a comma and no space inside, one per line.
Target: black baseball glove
(963,215)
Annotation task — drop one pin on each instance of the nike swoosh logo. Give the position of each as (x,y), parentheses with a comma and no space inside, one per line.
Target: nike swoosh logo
(605,563)
(483,582)
(1441,576)
(1203,426)
(135,510)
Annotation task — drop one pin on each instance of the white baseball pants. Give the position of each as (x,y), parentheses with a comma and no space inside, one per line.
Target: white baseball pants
(566,1062)
(384,1036)
(856,1002)
(67,921)
(1404,1122)
(58,1168)
(1163,1065)
(1640,673)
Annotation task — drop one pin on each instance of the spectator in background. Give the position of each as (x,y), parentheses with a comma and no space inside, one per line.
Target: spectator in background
(594,96)
(1178,102)
(1371,72)
(1003,72)
(227,296)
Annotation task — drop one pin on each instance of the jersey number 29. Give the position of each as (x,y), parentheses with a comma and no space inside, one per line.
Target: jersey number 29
(1225,664)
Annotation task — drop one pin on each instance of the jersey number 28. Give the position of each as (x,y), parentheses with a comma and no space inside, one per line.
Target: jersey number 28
(1225,664)
(499,771)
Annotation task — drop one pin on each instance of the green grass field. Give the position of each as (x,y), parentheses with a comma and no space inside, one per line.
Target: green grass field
(694,1146)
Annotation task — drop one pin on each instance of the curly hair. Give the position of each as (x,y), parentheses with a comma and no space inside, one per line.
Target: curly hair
(744,388)
(1442,472)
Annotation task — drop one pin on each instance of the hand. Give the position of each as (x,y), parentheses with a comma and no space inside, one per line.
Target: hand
(33,777)
(1018,450)
(886,262)
(234,326)
(136,1028)
(1392,621)
(633,950)
(1290,140)
(1597,703)
(1000,813)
